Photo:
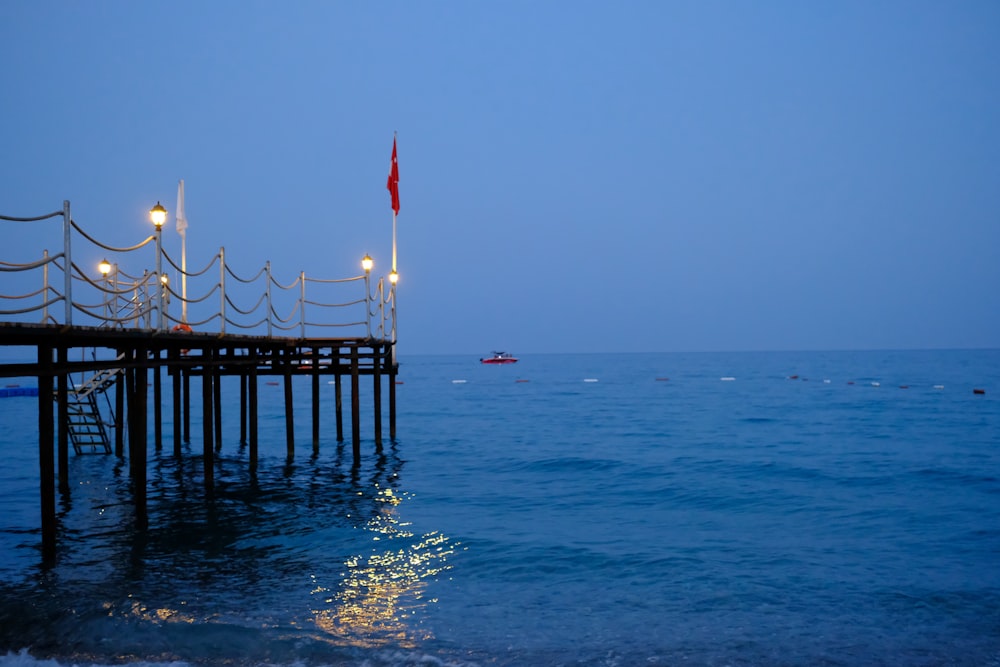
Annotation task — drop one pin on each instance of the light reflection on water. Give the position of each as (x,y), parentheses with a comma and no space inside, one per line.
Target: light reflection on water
(380,595)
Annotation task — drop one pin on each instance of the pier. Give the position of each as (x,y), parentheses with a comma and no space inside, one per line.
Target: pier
(115,330)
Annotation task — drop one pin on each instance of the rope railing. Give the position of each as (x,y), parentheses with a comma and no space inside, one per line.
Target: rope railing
(131,289)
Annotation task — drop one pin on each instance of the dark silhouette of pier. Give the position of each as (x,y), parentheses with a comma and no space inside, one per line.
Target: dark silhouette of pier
(118,337)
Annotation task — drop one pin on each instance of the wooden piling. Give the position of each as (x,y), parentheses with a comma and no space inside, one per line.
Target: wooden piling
(289,412)
(315,398)
(120,381)
(338,400)
(217,399)
(252,400)
(157,404)
(377,397)
(177,405)
(392,401)
(46,458)
(243,408)
(355,409)
(186,387)
(62,398)
(208,431)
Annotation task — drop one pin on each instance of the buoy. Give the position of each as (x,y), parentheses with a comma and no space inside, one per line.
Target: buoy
(520,380)
(939,386)
(590,379)
(876,384)
(662,379)
(728,378)
(981,392)
(458,381)
(273,384)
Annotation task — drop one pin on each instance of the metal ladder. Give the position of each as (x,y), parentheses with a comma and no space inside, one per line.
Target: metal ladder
(86,427)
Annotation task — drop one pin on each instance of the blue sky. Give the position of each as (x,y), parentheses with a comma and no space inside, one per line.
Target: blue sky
(574,176)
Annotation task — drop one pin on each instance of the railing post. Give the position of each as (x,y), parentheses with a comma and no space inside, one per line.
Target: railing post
(392,297)
(222,289)
(159,278)
(368,304)
(45,288)
(302,302)
(267,273)
(381,308)
(67,263)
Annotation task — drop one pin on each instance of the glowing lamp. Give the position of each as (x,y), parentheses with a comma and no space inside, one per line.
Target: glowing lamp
(158,215)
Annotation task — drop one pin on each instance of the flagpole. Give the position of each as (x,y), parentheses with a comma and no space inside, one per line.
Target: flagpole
(184,278)
(182,226)
(393,240)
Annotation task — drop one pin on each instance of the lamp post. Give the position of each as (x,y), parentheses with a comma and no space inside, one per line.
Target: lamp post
(158,215)
(105,268)
(367,263)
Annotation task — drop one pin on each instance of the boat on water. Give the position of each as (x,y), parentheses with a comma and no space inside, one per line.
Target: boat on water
(500,358)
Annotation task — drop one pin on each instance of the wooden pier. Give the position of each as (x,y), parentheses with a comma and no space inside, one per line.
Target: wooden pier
(146,358)
(134,343)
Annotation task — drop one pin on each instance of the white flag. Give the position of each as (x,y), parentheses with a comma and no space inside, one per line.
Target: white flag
(182,221)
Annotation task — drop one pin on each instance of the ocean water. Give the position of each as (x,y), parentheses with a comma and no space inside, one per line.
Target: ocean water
(837,508)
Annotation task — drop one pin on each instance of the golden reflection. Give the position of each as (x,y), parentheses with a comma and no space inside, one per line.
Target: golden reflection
(380,596)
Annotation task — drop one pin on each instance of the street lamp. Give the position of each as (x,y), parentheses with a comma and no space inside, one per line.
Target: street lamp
(158,215)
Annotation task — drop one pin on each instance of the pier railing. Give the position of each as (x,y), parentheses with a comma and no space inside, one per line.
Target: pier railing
(132,288)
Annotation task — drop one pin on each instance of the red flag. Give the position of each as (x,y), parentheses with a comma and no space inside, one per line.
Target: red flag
(393,183)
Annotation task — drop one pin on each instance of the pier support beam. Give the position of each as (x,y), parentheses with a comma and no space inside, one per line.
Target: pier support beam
(62,397)
(338,400)
(46,457)
(217,398)
(315,398)
(377,396)
(289,412)
(120,411)
(157,403)
(177,405)
(208,451)
(392,400)
(355,409)
(252,399)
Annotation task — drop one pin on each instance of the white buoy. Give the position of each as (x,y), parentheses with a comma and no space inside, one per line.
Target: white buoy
(458,381)
(728,378)
(590,379)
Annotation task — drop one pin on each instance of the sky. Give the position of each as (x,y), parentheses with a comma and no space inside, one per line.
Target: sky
(575,177)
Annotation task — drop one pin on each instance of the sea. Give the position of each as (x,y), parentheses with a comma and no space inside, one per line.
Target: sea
(674,509)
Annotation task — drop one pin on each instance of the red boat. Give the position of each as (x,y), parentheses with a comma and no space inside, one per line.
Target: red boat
(499,358)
